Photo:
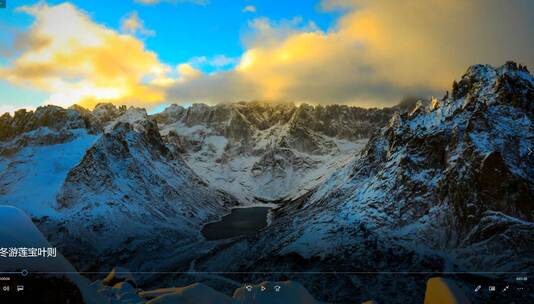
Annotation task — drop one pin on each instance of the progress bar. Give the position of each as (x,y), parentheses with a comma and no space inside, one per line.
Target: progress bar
(267,272)
(23,272)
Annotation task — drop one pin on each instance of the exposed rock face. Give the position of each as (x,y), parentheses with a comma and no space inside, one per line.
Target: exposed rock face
(45,289)
(240,120)
(119,286)
(106,112)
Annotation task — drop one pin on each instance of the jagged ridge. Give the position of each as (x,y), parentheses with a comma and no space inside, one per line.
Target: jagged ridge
(446,186)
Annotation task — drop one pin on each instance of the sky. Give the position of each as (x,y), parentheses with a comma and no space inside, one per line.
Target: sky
(151,53)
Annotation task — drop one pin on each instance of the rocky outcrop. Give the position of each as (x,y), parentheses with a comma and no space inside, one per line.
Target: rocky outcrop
(106,112)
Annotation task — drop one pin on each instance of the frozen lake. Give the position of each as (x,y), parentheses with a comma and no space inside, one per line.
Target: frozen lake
(241,221)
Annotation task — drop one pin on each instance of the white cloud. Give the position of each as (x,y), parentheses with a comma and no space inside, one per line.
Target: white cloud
(153,2)
(217,62)
(249,9)
(132,24)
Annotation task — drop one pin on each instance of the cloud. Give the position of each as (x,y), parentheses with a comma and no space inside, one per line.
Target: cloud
(153,2)
(187,72)
(249,9)
(376,53)
(147,1)
(223,61)
(132,24)
(78,61)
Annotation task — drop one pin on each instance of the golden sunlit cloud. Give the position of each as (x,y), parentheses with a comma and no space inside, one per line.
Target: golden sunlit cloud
(378,52)
(84,62)
(188,72)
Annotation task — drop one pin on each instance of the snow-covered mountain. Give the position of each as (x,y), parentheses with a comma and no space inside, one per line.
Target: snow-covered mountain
(442,185)
(457,174)
(264,151)
(447,186)
(107,189)
(102,185)
(464,163)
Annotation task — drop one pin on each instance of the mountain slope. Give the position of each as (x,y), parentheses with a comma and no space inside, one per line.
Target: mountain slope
(103,193)
(37,151)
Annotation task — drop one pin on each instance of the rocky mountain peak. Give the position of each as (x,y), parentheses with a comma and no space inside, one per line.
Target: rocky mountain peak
(470,153)
(509,84)
(137,117)
(52,117)
(106,112)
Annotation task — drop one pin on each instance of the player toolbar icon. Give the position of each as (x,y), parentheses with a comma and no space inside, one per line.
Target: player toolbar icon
(277,288)
(20,288)
(248,288)
(477,289)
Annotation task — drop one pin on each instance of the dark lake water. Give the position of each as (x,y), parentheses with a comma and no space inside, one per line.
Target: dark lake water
(241,221)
